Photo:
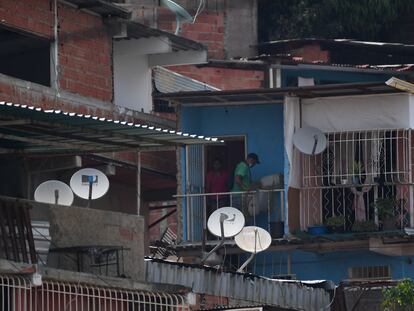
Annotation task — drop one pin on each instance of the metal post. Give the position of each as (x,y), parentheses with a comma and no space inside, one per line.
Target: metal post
(138,182)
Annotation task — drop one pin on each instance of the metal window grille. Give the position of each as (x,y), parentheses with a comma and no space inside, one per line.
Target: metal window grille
(18,294)
(357,168)
(370,272)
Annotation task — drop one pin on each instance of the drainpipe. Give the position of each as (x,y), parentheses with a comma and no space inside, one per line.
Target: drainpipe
(55,49)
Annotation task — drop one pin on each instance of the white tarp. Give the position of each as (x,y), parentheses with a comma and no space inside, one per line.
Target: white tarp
(292,121)
(349,113)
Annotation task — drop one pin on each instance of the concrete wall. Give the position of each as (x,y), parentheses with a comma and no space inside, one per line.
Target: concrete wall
(74,226)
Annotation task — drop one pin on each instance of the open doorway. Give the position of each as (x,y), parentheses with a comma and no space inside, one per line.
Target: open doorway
(230,154)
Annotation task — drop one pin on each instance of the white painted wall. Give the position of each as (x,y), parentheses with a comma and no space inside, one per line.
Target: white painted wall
(347,113)
(132,73)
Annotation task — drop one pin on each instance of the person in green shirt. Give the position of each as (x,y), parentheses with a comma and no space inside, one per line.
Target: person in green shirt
(242,178)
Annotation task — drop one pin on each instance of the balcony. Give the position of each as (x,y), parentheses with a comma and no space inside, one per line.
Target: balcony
(363,178)
(263,208)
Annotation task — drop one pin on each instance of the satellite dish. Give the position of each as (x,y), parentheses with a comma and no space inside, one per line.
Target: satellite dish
(309,140)
(54,192)
(89,183)
(225,222)
(181,14)
(231,218)
(252,239)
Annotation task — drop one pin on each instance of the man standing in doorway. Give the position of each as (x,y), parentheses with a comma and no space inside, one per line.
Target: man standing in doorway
(242,178)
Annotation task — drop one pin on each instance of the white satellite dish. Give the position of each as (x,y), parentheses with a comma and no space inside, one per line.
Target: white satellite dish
(89,183)
(181,14)
(54,192)
(231,219)
(309,140)
(254,240)
(225,222)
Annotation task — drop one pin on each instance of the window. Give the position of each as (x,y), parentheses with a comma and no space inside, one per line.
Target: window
(370,272)
(26,57)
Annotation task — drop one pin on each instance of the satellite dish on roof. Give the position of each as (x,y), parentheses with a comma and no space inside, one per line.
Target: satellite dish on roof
(252,239)
(225,222)
(309,140)
(54,192)
(89,183)
(181,14)
(230,218)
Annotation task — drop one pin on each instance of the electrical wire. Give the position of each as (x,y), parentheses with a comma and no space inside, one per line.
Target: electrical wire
(200,9)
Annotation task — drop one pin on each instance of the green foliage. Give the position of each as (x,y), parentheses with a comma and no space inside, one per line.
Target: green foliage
(357,167)
(363,19)
(364,226)
(385,207)
(400,297)
(335,221)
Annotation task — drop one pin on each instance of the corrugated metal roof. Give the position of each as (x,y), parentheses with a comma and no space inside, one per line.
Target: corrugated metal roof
(168,81)
(272,95)
(29,129)
(243,287)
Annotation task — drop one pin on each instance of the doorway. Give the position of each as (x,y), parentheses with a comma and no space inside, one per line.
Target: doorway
(230,154)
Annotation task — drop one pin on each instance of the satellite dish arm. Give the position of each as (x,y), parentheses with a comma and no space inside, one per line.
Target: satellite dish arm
(244,265)
(223,217)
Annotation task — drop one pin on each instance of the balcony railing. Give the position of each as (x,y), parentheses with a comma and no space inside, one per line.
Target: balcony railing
(263,208)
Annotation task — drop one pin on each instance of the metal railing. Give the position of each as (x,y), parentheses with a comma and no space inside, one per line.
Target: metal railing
(17,293)
(260,207)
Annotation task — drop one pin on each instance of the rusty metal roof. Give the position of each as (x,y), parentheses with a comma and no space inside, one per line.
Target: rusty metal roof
(272,95)
(32,130)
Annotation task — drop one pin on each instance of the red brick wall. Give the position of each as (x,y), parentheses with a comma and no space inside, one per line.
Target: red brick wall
(85,54)
(208,30)
(224,78)
(85,45)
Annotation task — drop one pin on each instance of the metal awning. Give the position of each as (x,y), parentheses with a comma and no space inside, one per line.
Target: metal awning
(33,130)
(272,95)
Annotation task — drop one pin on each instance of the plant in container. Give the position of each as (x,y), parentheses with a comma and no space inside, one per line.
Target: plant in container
(335,224)
(364,226)
(317,229)
(385,209)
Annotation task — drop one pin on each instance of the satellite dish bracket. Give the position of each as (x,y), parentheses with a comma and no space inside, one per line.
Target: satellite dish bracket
(244,265)
(315,144)
(223,217)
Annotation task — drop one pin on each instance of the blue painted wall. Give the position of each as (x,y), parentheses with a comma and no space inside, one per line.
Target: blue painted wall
(262,125)
(330,266)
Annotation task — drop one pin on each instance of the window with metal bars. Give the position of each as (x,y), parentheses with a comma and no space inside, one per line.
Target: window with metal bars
(370,272)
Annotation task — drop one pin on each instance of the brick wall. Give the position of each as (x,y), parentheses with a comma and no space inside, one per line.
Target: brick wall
(208,30)
(85,46)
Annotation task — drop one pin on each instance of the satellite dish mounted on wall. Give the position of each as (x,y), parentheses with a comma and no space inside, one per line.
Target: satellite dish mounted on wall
(181,14)
(225,222)
(309,140)
(54,192)
(89,184)
(252,239)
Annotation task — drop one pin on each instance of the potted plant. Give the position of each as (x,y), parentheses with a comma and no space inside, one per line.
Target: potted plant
(364,226)
(357,169)
(385,210)
(335,224)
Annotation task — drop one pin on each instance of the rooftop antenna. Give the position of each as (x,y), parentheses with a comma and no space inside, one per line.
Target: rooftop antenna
(252,239)
(225,222)
(309,140)
(181,14)
(89,184)
(54,192)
